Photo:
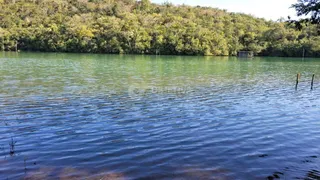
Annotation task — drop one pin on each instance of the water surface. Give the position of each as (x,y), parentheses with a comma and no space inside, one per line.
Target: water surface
(158,117)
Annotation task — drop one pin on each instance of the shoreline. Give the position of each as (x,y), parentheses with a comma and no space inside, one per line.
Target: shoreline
(162,55)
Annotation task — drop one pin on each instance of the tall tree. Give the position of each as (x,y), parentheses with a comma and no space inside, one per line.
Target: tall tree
(309,8)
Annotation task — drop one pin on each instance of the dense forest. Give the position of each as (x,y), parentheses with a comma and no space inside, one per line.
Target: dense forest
(141,27)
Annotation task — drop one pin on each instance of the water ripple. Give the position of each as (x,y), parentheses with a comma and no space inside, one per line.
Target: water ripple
(75,119)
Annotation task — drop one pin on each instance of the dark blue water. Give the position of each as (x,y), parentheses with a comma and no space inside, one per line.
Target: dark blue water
(146,117)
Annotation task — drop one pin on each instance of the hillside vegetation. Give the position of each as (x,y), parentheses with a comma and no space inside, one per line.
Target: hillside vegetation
(140,27)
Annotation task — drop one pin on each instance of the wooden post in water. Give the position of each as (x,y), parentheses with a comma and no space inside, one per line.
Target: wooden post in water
(2,46)
(298,77)
(16,46)
(312,82)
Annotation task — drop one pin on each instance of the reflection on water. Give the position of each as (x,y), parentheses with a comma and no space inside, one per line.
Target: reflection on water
(157,117)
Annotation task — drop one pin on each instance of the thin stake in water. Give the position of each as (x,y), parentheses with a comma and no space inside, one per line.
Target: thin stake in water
(312,81)
(12,146)
(298,77)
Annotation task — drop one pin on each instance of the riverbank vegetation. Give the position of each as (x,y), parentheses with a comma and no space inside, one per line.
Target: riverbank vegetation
(141,27)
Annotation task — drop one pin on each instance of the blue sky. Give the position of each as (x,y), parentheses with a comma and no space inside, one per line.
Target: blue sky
(268,9)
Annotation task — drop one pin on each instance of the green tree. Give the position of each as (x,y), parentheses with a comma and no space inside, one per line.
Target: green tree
(141,27)
(309,8)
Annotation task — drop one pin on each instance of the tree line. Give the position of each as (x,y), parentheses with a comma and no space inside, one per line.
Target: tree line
(141,27)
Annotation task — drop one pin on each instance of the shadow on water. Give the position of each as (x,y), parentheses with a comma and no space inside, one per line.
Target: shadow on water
(275,175)
(313,175)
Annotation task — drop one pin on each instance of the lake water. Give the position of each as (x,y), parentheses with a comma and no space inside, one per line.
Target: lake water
(158,117)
